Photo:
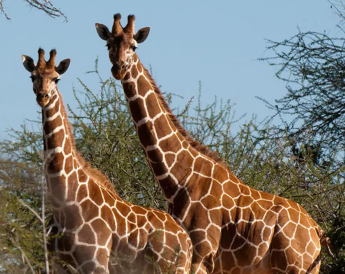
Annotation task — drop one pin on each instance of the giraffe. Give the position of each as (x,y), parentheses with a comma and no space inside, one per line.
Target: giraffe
(95,230)
(234,228)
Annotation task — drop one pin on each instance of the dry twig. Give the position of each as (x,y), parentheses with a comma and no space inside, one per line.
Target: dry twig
(44,5)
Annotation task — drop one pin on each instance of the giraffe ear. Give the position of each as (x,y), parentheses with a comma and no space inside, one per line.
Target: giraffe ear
(103,31)
(28,63)
(63,66)
(141,35)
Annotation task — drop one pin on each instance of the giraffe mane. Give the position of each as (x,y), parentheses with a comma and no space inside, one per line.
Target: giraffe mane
(99,176)
(203,149)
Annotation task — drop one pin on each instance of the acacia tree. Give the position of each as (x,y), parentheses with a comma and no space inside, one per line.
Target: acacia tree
(312,64)
(313,110)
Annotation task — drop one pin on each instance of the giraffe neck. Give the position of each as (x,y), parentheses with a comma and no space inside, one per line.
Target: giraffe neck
(162,142)
(59,153)
(65,169)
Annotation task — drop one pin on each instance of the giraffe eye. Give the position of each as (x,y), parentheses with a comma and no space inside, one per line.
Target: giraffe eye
(33,78)
(134,48)
(108,46)
(56,80)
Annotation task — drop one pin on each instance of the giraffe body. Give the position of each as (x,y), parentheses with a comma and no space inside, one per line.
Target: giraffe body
(94,230)
(234,228)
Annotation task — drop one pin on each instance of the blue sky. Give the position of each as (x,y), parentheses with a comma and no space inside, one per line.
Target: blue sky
(217,42)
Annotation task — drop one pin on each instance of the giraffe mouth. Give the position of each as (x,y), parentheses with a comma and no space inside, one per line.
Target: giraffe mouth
(118,74)
(42,100)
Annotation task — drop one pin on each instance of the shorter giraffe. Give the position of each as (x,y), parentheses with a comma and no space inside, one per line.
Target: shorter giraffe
(95,230)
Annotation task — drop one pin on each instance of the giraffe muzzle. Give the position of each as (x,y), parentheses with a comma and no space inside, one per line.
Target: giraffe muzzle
(118,70)
(42,98)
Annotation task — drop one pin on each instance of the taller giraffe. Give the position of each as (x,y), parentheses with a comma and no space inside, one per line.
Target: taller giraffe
(95,230)
(234,228)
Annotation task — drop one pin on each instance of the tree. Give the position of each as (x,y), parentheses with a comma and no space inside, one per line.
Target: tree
(313,67)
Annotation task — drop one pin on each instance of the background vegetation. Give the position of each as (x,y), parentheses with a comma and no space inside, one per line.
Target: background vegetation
(262,155)
(299,156)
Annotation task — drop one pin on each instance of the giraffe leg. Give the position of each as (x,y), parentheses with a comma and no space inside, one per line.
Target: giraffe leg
(295,246)
(286,259)
(165,257)
(202,264)
(114,269)
(198,268)
(57,269)
(157,254)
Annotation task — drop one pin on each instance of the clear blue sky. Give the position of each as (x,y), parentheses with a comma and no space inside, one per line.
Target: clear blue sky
(216,42)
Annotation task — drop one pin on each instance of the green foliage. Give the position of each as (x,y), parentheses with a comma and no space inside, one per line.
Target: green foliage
(20,230)
(106,137)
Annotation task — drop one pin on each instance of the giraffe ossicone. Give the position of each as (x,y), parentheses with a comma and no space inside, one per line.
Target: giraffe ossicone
(234,228)
(94,230)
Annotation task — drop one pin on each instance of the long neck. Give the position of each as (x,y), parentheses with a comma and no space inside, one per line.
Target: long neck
(170,155)
(65,169)
(59,156)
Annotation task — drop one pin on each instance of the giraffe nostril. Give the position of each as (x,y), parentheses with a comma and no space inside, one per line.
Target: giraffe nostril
(119,65)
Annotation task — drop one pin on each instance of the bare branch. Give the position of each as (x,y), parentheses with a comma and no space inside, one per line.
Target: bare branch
(32,210)
(44,225)
(44,5)
(339,7)
(2,9)
(47,7)
(313,67)
(25,258)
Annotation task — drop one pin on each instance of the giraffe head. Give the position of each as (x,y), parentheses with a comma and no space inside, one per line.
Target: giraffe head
(45,75)
(121,43)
